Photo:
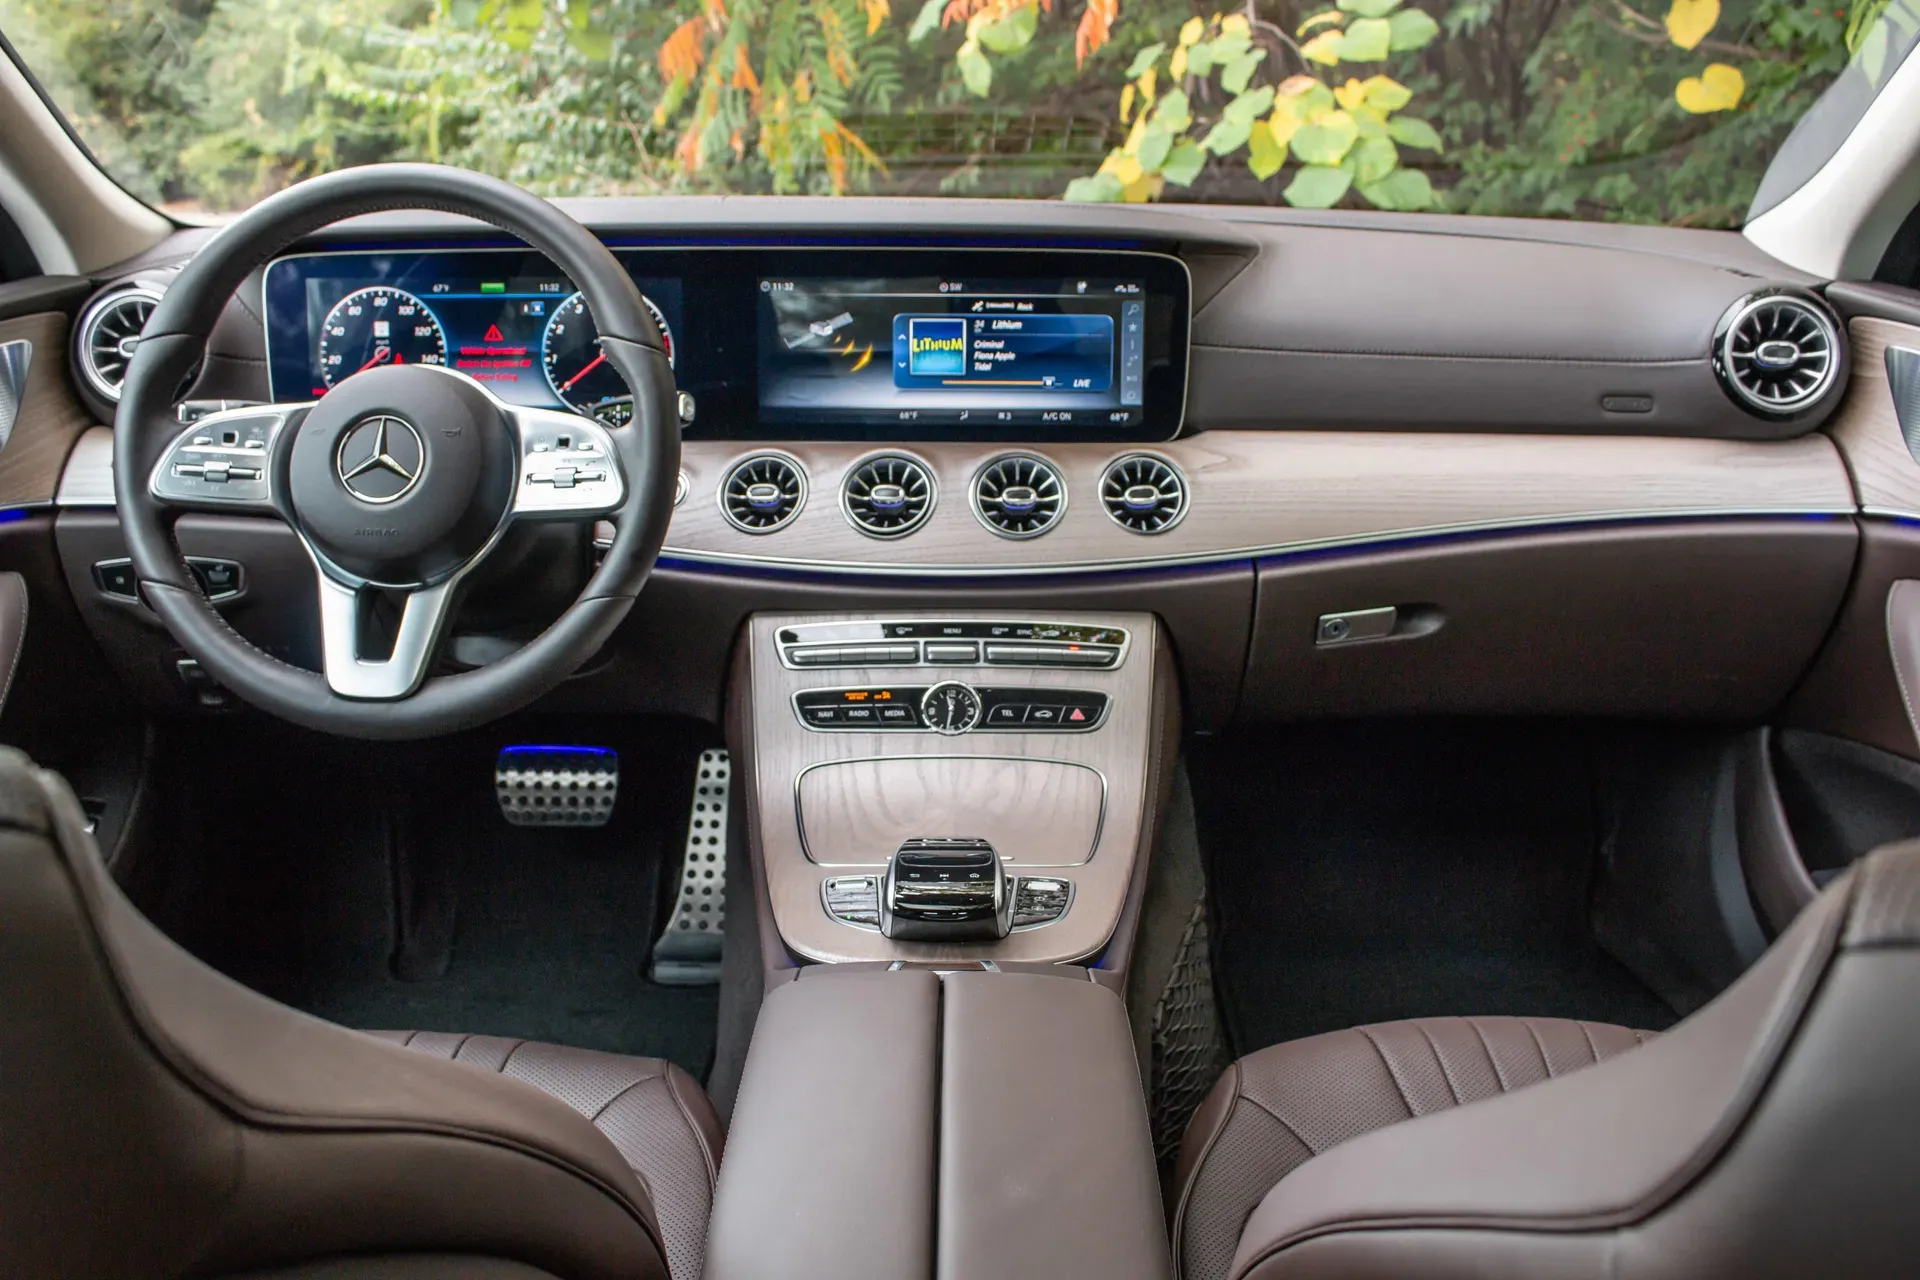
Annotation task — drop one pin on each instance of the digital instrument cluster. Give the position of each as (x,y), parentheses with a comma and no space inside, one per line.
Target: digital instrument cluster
(891,343)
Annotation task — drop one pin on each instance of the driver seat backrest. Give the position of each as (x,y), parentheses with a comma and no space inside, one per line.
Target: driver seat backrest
(159,1120)
(1774,1133)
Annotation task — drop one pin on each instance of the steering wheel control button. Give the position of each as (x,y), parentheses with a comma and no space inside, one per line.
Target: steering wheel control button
(221,466)
(565,466)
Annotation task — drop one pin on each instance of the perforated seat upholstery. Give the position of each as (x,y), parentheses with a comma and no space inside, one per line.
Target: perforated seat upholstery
(1276,1109)
(656,1116)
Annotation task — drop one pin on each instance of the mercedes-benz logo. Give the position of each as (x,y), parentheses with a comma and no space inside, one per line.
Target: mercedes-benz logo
(380,459)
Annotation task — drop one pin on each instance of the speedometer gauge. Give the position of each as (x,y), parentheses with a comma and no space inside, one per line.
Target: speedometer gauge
(577,369)
(376,326)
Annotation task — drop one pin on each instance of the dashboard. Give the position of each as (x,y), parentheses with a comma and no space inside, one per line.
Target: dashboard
(886,344)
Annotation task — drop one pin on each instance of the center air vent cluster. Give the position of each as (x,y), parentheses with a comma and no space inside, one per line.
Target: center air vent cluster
(888,497)
(1019,496)
(763,493)
(1777,353)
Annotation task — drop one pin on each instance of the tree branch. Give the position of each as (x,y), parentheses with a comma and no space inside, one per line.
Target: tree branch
(1715,46)
(1280,37)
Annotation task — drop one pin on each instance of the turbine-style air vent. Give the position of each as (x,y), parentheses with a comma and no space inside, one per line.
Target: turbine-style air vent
(763,493)
(109,331)
(1019,496)
(1144,494)
(1777,353)
(888,497)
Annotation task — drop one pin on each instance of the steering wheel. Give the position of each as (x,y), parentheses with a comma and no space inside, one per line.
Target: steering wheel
(400,480)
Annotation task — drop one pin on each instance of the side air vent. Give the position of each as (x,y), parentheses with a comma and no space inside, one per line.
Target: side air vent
(1019,496)
(763,493)
(888,497)
(109,331)
(1144,494)
(1777,353)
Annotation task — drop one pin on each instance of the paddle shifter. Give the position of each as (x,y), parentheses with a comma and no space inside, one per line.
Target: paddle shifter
(951,889)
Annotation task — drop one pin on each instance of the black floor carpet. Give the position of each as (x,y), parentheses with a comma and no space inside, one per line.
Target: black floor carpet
(1365,872)
(289,862)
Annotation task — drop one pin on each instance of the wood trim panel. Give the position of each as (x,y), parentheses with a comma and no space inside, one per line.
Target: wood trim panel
(1257,492)
(1885,476)
(1035,813)
(1119,750)
(51,417)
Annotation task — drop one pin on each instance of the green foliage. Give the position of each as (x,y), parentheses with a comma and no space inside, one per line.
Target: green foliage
(1533,107)
(1345,136)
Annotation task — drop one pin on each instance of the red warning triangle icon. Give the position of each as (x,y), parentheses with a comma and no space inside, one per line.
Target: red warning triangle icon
(494,334)
(1077,714)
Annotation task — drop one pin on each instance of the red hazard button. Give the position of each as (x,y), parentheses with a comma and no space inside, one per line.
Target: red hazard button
(1076,714)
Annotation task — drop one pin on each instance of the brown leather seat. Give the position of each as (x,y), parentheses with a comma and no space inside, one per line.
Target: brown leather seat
(158,1120)
(1776,1132)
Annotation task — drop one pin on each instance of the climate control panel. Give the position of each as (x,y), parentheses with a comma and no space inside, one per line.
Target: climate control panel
(951,707)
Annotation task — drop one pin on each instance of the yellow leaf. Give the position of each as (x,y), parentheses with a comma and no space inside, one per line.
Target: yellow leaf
(1177,64)
(1142,189)
(1351,94)
(1235,24)
(1148,80)
(1127,169)
(1718,88)
(1294,86)
(1136,134)
(1191,32)
(1323,48)
(877,12)
(1283,127)
(1689,21)
(1126,104)
(1331,17)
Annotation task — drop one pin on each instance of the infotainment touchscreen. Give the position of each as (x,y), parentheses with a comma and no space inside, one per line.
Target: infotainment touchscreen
(932,352)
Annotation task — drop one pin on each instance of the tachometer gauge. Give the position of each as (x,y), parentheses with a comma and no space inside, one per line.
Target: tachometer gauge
(578,370)
(376,326)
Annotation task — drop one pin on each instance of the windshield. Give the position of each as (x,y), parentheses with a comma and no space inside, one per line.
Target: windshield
(1556,108)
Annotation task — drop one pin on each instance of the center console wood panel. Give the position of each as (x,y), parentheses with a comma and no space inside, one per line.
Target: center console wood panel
(1046,1162)
(1122,751)
(1035,813)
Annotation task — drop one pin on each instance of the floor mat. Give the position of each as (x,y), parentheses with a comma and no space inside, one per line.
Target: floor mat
(1366,872)
(283,874)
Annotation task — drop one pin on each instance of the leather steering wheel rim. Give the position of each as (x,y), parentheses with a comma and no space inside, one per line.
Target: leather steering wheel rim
(647,450)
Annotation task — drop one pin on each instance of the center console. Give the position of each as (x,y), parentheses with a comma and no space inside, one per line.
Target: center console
(954,786)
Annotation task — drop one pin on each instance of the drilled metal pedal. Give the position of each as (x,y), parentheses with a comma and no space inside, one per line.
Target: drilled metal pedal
(556,786)
(688,953)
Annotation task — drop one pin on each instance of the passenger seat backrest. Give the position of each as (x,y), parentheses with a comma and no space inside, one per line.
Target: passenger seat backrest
(1776,1133)
(157,1119)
